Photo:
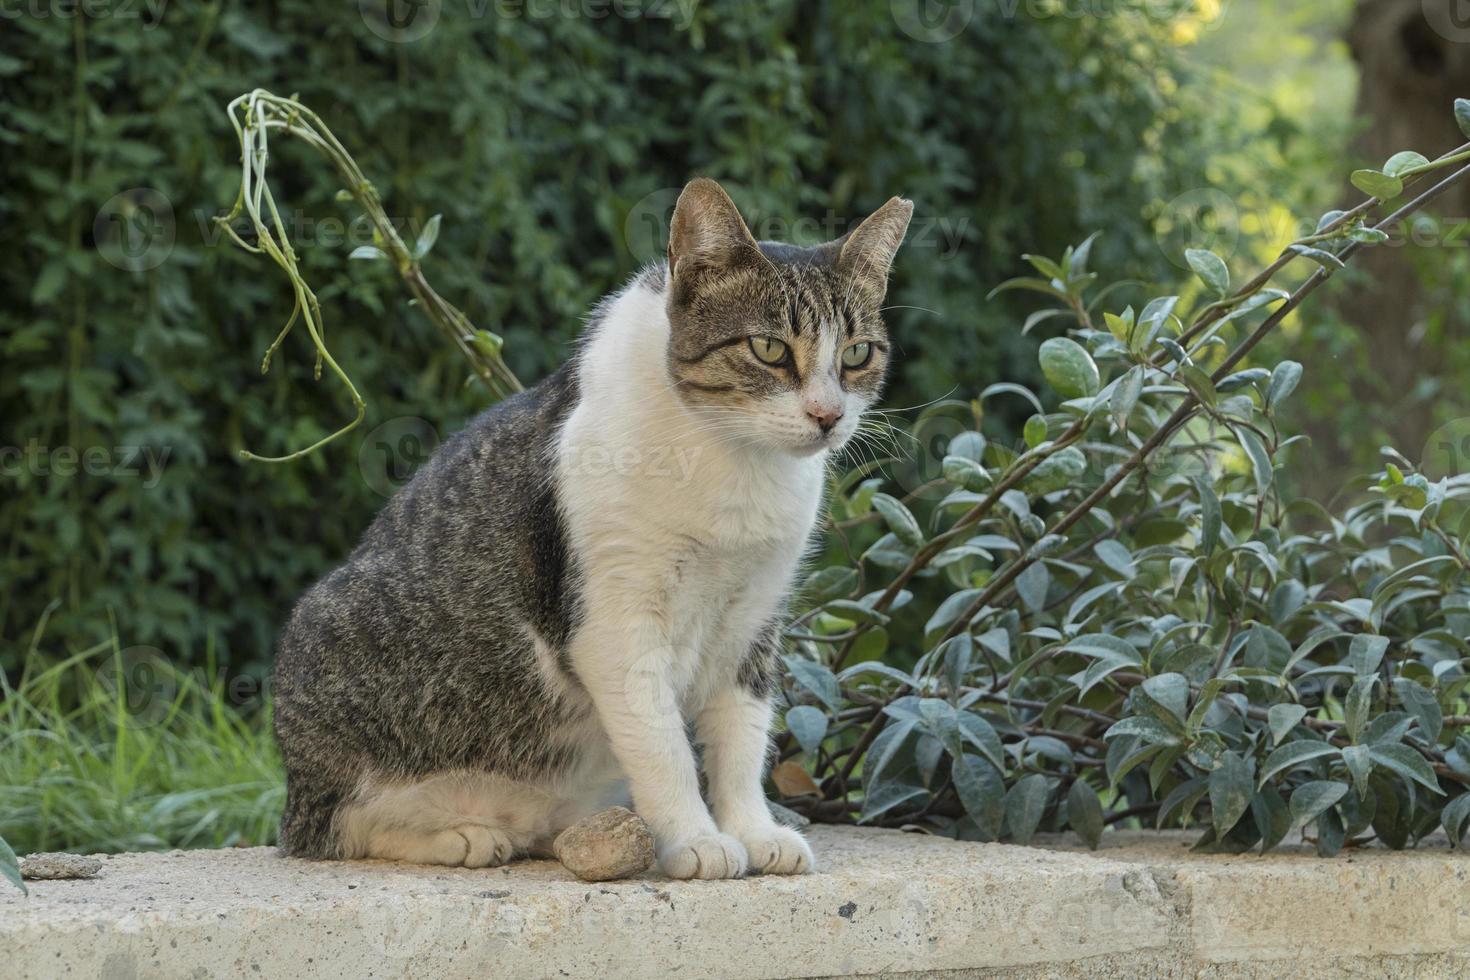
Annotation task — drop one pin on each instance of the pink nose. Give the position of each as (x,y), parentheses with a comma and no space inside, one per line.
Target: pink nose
(824,416)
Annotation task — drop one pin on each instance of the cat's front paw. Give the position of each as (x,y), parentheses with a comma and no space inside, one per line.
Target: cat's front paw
(778,851)
(704,856)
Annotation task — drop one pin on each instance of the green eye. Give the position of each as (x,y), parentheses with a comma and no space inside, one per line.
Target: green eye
(768,350)
(857,355)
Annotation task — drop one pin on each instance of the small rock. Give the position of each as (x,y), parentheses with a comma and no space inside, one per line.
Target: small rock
(614,843)
(55,867)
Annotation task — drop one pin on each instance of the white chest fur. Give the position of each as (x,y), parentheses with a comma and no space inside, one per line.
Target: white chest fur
(673,521)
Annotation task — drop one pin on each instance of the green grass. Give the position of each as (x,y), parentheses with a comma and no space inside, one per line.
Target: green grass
(82,769)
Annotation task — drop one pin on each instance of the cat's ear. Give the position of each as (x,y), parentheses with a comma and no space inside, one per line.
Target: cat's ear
(866,253)
(707,231)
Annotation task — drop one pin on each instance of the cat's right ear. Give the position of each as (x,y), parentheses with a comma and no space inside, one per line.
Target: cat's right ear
(707,232)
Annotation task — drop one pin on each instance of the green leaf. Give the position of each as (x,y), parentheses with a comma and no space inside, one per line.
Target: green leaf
(887,796)
(1116,556)
(1210,268)
(369,252)
(1282,718)
(1059,470)
(1085,813)
(1209,506)
(427,237)
(1025,804)
(1032,585)
(899,518)
(1034,432)
(1406,763)
(1359,766)
(816,678)
(1272,817)
(979,733)
(1320,256)
(1170,691)
(1310,799)
(10,867)
(1462,115)
(1294,754)
(1284,379)
(886,746)
(1377,184)
(1260,459)
(981,791)
(857,612)
(965,472)
(829,583)
(1068,368)
(1357,705)
(1365,653)
(1404,161)
(1452,817)
(808,725)
(1420,702)
(1022,282)
(1231,790)
(1125,396)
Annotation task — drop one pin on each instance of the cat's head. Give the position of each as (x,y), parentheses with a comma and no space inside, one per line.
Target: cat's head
(784,346)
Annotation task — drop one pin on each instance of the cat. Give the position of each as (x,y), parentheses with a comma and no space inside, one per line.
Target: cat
(592,568)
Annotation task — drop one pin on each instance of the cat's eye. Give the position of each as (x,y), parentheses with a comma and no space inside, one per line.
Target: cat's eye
(856,355)
(768,350)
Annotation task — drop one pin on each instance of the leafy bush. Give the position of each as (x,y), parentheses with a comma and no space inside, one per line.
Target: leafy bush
(544,173)
(1118,616)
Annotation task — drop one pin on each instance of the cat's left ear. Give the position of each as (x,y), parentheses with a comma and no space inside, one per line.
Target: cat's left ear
(866,253)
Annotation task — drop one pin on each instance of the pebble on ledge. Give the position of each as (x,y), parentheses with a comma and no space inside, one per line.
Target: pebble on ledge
(611,844)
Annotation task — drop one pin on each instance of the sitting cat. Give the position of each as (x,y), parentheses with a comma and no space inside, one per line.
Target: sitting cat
(533,622)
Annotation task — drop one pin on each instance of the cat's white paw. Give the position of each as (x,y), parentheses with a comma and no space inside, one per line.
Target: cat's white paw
(705,856)
(466,846)
(778,851)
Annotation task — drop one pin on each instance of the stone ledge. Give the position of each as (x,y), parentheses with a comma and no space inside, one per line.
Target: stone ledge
(885,903)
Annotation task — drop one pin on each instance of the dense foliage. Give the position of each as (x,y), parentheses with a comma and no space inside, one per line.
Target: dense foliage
(1118,614)
(131,332)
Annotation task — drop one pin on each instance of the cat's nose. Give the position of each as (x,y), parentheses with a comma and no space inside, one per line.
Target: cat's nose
(825,417)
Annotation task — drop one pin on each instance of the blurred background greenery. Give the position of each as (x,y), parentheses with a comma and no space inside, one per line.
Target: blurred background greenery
(552,135)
